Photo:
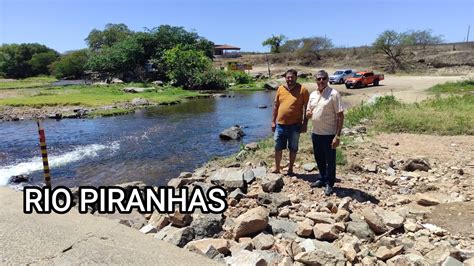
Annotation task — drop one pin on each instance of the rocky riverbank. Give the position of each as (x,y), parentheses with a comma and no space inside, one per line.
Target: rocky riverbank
(401,199)
(9,113)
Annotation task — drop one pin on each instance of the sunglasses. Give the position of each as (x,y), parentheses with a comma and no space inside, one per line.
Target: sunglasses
(320,79)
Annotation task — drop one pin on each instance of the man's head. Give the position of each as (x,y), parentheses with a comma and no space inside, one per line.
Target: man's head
(291,75)
(322,79)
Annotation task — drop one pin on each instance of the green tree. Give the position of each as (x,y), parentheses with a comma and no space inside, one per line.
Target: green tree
(70,65)
(165,37)
(184,66)
(274,42)
(396,48)
(24,60)
(119,58)
(112,33)
(40,62)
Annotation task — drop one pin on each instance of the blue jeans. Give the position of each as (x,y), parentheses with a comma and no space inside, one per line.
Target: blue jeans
(325,157)
(287,135)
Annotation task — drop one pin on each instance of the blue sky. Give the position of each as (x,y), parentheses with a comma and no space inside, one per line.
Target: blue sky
(64,24)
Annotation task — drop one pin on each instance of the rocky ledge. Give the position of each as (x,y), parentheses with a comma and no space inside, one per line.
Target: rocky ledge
(385,211)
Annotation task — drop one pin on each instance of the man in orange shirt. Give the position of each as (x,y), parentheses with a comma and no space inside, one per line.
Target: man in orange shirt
(289,118)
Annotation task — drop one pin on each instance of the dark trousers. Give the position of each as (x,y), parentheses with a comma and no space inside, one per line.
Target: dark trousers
(325,157)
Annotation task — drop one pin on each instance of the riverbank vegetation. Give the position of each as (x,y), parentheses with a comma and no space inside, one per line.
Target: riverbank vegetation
(449,115)
(92,96)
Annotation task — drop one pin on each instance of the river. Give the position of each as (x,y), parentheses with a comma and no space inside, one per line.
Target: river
(151,145)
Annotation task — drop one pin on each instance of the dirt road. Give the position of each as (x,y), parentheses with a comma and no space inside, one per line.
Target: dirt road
(408,89)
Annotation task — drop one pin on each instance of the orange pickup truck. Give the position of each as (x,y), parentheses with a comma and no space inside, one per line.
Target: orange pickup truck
(363,79)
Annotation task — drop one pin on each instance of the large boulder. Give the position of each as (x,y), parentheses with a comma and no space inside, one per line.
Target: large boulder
(232,133)
(272,85)
(251,222)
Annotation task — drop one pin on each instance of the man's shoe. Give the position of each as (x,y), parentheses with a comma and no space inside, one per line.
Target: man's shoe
(318,183)
(291,174)
(328,190)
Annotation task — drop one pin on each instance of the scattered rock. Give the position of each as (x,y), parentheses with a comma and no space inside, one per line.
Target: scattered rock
(416,164)
(16,179)
(133,90)
(360,229)
(305,228)
(148,229)
(426,199)
(158,220)
(206,225)
(309,167)
(371,168)
(245,257)
(263,241)
(179,219)
(253,221)
(408,259)
(116,81)
(221,245)
(272,85)
(282,226)
(384,253)
(374,221)
(391,180)
(139,101)
(320,217)
(325,232)
(252,146)
(320,253)
(272,182)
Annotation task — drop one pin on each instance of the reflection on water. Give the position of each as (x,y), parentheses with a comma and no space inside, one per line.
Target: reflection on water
(151,145)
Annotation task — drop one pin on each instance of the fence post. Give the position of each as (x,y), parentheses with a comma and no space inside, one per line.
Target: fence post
(44,154)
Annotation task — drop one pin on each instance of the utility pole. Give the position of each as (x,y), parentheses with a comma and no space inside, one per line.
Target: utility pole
(468,28)
(268,65)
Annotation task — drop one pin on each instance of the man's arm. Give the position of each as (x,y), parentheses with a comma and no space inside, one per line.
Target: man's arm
(276,104)
(304,126)
(339,123)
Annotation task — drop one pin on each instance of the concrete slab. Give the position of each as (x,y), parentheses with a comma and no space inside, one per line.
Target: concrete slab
(75,238)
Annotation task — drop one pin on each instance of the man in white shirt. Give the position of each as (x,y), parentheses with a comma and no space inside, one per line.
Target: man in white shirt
(327,114)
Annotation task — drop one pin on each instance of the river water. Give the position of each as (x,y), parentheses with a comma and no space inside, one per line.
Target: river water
(152,145)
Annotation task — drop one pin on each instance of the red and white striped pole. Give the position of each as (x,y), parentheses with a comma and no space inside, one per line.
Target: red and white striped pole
(44,154)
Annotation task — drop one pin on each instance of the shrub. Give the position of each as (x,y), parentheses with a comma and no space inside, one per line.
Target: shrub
(185,66)
(212,79)
(241,77)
